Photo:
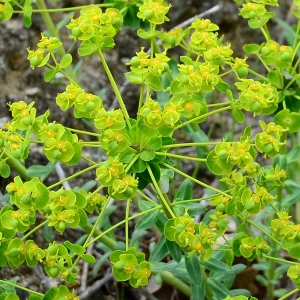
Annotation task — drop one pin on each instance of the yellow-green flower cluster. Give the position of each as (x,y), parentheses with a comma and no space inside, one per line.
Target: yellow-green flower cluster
(111,174)
(154,11)
(193,237)
(257,97)
(95,28)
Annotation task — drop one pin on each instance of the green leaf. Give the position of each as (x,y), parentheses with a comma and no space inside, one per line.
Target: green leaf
(275,79)
(147,155)
(160,251)
(81,200)
(148,220)
(255,23)
(100,262)
(154,143)
(6,288)
(88,185)
(86,49)
(4,169)
(185,191)
(192,208)
(7,11)
(295,251)
(251,48)
(128,155)
(47,233)
(27,14)
(74,248)
(130,18)
(222,86)
(192,264)
(213,165)
(238,115)
(153,82)
(35,297)
(174,250)
(293,155)
(229,257)
(139,166)
(40,171)
(215,265)
(218,288)
(43,195)
(145,205)
(194,271)
(49,75)
(147,35)
(65,61)
(198,291)
(288,120)
(134,78)
(90,259)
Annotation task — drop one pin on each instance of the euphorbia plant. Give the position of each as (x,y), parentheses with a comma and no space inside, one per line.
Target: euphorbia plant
(141,156)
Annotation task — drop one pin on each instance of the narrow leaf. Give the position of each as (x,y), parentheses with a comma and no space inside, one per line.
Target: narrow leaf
(185,191)
(160,251)
(65,61)
(74,248)
(193,268)
(148,220)
(90,259)
(174,250)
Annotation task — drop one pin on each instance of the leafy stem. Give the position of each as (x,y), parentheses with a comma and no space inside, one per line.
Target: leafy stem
(202,116)
(115,87)
(181,156)
(196,180)
(34,230)
(54,32)
(21,288)
(164,202)
(127,223)
(73,176)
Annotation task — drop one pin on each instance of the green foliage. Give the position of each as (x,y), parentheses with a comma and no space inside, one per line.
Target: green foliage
(257,173)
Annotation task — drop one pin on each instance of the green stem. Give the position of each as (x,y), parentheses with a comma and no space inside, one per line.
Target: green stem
(140,101)
(192,144)
(88,160)
(264,64)
(127,224)
(72,176)
(280,260)
(289,294)
(19,167)
(196,181)
(202,116)
(99,235)
(181,156)
(115,88)
(164,202)
(262,230)
(146,197)
(131,163)
(87,242)
(177,283)
(34,229)
(21,288)
(218,104)
(258,75)
(54,32)
(265,32)
(65,9)
(84,132)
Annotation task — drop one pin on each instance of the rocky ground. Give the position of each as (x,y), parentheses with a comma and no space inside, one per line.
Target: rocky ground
(19,82)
